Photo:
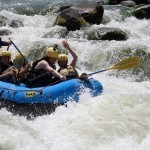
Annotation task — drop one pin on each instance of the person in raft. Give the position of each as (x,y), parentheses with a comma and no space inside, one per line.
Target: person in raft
(8,73)
(43,71)
(22,66)
(67,70)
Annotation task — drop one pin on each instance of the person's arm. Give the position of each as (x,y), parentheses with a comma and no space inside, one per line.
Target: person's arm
(3,43)
(74,55)
(23,71)
(44,65)
(9,71)
(5,75)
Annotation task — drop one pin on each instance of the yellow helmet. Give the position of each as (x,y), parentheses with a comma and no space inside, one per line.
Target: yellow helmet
(5,53)
(62,57)
(18,55)
(50,52)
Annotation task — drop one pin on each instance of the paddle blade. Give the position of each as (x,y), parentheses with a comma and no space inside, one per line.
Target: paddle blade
(127,63)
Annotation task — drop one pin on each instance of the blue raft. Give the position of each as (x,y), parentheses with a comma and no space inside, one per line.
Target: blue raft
(60,93)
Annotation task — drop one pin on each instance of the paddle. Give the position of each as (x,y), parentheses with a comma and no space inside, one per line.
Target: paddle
(7,48)
(19,51)
(122,65)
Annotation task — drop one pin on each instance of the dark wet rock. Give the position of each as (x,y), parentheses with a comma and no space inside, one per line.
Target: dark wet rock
(94,15)
(5,32)
(57,32)
(71,19)
(16,23)
(106,34)
(142,12)
(3,21)
(77,16)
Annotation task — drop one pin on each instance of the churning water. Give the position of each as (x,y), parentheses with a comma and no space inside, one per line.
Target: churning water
(118,119)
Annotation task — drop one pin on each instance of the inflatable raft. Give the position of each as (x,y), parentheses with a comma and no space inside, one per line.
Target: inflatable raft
(19,96)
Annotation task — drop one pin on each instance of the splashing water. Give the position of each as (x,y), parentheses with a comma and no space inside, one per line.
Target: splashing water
(118,119)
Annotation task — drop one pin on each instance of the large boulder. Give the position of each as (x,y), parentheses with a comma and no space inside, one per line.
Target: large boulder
(77,16)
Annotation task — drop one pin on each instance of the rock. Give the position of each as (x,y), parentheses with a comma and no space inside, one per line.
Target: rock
(106,34)
(77,16)
(142,12)
(71,19)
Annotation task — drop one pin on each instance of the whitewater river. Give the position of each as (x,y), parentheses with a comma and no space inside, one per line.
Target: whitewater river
(118,119)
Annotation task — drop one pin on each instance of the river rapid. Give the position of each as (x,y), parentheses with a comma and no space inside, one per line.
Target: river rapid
(118,119)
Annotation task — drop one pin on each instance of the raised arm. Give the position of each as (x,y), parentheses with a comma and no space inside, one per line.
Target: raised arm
(74,55)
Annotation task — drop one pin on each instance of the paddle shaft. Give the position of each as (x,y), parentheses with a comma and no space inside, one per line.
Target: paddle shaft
(19,52)
(97,72)
(122,65)
(7,48)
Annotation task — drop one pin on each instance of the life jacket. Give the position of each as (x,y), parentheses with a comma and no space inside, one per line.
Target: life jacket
(38,78)
(68,72)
